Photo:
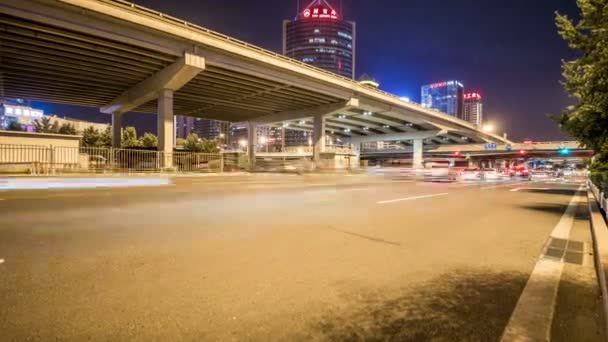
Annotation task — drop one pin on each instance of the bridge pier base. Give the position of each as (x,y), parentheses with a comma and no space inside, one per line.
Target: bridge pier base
(318,137)
(116,130)
(418,150)
(251,143)
(165,127)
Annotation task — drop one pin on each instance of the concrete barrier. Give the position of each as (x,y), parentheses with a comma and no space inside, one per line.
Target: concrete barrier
(599,231)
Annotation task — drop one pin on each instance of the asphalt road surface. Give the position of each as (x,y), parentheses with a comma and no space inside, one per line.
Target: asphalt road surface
(272,257)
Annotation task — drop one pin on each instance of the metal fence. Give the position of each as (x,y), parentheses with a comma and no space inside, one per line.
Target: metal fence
(46,159)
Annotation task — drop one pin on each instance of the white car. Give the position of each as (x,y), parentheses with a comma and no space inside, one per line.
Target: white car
(470,174)
(491,175)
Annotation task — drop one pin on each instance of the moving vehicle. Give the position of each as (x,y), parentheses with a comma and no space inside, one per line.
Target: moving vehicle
(519,171)
(491,175)
(470,174)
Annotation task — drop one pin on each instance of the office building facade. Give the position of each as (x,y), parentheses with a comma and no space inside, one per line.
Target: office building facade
(473,109)
(211,129)
(318,36)
(446,97)
(184,125)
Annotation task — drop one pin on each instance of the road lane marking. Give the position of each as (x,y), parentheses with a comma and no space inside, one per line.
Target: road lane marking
(64,195)
(502,185)
(533,315)
(410,198)
(519,189)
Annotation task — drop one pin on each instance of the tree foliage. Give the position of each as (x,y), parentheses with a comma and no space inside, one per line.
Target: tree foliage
(91,137)
(586,78)
(148,140)
(129,138)
(15,126)
(105,137)
(196,144)
(44,125)
(67,128)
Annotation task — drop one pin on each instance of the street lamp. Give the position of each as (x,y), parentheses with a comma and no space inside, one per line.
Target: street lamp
(243,143)
(488,128)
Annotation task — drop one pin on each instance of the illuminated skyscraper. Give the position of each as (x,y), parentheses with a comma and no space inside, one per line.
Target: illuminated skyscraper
(318,36)
(447,97)
(473,109)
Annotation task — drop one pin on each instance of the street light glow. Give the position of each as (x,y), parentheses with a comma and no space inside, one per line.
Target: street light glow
(263,140)
(243,143)
(488,128)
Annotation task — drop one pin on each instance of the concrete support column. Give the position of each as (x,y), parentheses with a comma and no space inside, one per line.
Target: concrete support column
(355,160)
(165,127)
(116,130)
(418,149)
(318,137)
(252,140)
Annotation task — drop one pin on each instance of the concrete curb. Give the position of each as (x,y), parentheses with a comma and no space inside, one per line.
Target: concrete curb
(599,232)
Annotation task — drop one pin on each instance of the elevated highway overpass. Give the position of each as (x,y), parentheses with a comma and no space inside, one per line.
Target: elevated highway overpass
(121,57)
(476,152)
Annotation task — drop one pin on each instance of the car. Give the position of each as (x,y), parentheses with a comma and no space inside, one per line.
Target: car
(491,175)
(519,171)
(470,174)
(541,174)
(439,174)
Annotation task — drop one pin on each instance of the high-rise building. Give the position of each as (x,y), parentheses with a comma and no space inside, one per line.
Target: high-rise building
(473,109)
(447,97)
(320,37)
(184,125)
(211,129)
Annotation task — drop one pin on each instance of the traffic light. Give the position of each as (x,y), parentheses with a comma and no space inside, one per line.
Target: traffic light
(457,154)
(564,151)
(523,152)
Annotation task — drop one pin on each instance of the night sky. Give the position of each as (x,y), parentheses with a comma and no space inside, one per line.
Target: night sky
(509,51)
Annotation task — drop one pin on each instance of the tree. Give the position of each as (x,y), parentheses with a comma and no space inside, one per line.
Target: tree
(90,137)
(586,78)
(180,142)
(67,128)
(148,140)
(43,125)
(55,127)
(193,143)
(15,126)
(129,137)
(196,144)
(105,138)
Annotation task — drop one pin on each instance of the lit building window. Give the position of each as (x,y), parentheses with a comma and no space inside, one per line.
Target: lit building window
(317,31)
(345,35)
(26,112)
(18,111)
(308,59)
(9,110)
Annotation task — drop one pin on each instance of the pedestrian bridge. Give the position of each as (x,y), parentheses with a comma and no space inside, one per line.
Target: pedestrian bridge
(121,57)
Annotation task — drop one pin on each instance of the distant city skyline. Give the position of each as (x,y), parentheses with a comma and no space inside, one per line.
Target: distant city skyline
(406,45)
